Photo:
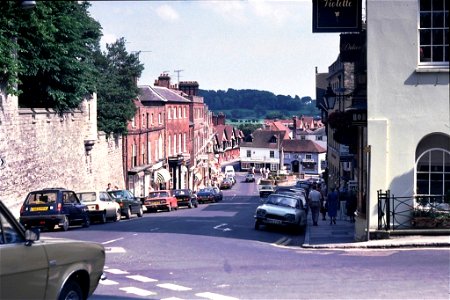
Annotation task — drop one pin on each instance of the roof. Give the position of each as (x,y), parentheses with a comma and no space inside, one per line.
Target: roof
(302,146)
(158,93)
(263,139)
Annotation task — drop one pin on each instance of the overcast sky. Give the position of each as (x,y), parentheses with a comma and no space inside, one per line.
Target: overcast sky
(263,45)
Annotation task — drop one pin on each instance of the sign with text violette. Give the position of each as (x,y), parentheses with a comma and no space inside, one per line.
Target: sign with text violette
(337,15)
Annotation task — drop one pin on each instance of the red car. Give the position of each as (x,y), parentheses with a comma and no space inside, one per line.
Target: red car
(163,199)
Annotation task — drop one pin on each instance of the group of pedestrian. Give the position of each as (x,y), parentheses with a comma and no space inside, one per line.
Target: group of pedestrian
(110,188)
(321,202)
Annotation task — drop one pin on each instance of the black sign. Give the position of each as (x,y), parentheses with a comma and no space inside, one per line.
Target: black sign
(337,15)
(351,46)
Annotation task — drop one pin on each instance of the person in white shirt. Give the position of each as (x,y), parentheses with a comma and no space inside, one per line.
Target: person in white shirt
(314,198)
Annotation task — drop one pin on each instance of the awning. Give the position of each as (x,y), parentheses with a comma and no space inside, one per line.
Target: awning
(197,176)
(161,176)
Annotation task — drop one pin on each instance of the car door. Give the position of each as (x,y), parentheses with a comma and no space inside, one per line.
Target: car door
(75,208)
(109,204)
(20,264)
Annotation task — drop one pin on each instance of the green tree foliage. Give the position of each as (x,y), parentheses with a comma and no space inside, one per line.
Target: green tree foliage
(248,128)
(117,88)
(263,103)
(53,62)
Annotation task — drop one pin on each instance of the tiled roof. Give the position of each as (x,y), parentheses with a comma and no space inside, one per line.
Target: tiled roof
(157,93)
(302,146)
(262,138)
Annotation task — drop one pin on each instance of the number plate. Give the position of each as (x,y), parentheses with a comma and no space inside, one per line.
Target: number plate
(271,221)
(39,208)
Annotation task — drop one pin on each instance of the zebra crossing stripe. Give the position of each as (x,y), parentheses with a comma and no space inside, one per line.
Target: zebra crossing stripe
(116,271)
(214,296)
(173,287)
(137,291)
(141,278)
(108,282)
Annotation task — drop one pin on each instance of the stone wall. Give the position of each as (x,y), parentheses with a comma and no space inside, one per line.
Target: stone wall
(41,148)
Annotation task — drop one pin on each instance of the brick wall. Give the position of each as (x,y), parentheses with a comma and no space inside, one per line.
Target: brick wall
(40,148)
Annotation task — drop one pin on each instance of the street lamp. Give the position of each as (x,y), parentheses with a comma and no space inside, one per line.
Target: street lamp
(329,98)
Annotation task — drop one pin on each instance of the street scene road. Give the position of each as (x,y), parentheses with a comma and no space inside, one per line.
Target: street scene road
(214,252)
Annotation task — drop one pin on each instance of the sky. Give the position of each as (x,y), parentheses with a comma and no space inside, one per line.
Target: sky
(262,45)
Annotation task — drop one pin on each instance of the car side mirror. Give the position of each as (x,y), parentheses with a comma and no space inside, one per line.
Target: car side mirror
(32,235)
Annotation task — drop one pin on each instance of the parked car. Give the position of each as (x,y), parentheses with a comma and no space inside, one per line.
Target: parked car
(219,194)
(49,207)
(265,190)
(45,269)
(231,178)
(304,184)
(128,203)
(250,178)
(161,200)
(281,210)
(208,194)
(226,184)
(186,197)
(229,170)
(101,206)
(297,192)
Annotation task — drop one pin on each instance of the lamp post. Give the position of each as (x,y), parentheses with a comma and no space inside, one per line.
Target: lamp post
(329,98)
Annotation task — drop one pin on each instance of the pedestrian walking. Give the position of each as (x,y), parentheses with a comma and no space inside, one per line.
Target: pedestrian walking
(323,201)
(332,205)
(351,206)
(314,199)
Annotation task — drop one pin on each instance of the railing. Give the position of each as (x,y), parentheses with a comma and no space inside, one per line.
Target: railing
(403,212)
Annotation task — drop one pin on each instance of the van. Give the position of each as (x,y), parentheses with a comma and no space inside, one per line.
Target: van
(229,171)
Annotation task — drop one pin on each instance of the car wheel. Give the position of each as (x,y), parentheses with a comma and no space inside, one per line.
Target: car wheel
(195,205)
(118,216)
(71,290)
(128,213)
(257,223)
(141,212)
(103,218)
(65,224)
(86,221)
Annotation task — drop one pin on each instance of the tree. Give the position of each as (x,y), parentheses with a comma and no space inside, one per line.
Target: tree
(52,57)
(117,87)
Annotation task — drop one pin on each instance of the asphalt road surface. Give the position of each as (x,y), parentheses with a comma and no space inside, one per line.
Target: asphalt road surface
(214,252)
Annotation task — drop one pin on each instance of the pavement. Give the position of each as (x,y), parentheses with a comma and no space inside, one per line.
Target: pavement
(341,236)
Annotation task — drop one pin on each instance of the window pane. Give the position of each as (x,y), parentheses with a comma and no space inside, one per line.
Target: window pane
(423,164)
(436,186)
(425,5)
(438,4)
(446,52)
(425,20)
(438,53)
(438,19)
(425,37)
(438,37)
(437,161)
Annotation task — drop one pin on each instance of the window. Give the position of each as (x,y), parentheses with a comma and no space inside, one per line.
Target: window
(159,119)
(133,122)
(319,138)
(169,114)
(249,153)
(175,144)
(184,142)
(169,143)
(433,172)
(433,33)
(180,144)
(133,156)
(179,113)
(160,147)
(272,154)
(184,112)
(308,156)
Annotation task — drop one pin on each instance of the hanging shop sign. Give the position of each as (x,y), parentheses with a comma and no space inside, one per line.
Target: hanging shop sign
(351,46)
(337,16)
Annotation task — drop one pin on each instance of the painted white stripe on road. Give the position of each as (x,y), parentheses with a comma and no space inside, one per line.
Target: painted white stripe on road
(116,271)
(172,298)
(112,241)
(114,250)
(141,278)
(137,291)
(173,287)
(108,282)
(214,296)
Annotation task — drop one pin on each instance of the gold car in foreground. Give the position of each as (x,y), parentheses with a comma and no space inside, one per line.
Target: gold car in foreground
(50,268)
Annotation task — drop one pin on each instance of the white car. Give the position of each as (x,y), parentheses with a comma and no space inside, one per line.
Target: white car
(101,206)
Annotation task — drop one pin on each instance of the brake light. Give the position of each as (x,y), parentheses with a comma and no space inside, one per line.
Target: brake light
(97,207)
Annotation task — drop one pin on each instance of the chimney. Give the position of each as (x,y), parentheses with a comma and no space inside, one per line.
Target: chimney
(163,80)
(189,87)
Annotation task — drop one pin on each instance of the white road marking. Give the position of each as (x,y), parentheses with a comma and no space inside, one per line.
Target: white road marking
(284,241)
(116,271)
(172,298)
(115,250)
(112,241)
(141,278)
(173,287)
(108,282)
(214,296)
(219,227)
(137,291)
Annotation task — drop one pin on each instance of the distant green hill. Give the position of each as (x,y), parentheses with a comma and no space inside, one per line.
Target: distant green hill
(255,104)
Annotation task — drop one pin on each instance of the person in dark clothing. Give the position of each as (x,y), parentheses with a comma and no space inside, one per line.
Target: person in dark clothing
(332,205)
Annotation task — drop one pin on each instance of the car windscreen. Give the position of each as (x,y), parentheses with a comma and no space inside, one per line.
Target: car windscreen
(41,198)
(87,197)
(116,194)
(282,201)
(180,192)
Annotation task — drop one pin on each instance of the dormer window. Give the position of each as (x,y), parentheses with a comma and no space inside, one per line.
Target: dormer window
(273,139)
